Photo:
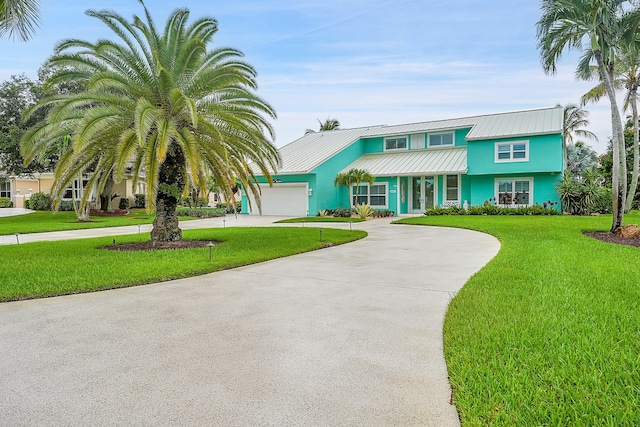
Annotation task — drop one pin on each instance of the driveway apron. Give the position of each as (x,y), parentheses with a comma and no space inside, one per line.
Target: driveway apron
(347,335)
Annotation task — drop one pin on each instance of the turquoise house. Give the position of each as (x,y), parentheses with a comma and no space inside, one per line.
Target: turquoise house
(512,159)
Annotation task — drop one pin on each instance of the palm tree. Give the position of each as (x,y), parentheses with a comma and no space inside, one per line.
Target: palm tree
(627,77)
(351,178)
(576,118)
(161,104)
(18,18)
(329,124)
(563,26)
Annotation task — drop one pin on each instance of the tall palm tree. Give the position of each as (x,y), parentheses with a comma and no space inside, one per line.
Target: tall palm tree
(627,77)
(18,18)
(351,178)
(563,26)
(329,124)
(162,104)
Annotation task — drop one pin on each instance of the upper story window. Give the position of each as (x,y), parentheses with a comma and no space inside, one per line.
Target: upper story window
(396,143)
(517,151)
(441,139)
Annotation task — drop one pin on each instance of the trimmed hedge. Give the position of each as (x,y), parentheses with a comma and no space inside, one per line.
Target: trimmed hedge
(201,212)
(489,209)
(5,202)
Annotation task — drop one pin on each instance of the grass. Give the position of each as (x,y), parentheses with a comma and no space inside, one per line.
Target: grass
(547,333)
(318,219)
(44,221)
(46,269)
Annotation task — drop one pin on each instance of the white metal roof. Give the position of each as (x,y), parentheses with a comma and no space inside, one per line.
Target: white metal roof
(306,153)
(414,162)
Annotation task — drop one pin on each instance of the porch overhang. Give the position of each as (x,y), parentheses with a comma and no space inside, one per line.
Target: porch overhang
(435,161)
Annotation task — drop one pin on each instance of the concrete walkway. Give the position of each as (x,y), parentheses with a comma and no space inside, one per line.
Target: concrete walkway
(349,335)
(14,211)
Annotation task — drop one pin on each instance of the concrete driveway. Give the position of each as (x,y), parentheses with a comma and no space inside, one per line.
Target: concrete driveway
(4,212)
(349,335)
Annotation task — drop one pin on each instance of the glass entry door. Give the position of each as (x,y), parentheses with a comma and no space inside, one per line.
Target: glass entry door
(423,193)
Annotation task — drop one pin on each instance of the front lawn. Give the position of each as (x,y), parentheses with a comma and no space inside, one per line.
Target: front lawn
(547,333)
(45,269)
(43,221)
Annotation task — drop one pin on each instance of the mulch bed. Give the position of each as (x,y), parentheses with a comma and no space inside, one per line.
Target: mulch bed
(608,237)
(150,246)
(117,212)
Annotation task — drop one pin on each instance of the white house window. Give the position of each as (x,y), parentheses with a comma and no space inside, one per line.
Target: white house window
(374,195)
(142,188)
(514,192)
(77,190)
(5,189)
(517,151)
(441,139)
(452,189)
(396,143)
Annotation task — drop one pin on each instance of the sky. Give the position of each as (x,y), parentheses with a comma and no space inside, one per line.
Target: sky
(363,62)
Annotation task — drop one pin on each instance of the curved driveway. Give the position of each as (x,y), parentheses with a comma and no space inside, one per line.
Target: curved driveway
(348,335)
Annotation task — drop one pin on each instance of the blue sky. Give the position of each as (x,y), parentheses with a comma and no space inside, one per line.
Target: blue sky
(364,62)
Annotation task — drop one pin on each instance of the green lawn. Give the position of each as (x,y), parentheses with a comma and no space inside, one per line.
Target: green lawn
(41,221)
(318,219)
(65,267)
(548,333)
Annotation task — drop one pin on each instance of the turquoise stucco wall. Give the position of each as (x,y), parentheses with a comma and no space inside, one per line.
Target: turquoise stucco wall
(544,187)
(373,145)
(545,155)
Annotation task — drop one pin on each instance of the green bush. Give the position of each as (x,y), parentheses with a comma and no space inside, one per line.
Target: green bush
(342,213)
(124,203)
(189,202)
(229,208)
(382,213)
(201,212)
(363,211)
(40,202)
(602,202)
(5,202)
(489,209)
(139,200)
(66,205)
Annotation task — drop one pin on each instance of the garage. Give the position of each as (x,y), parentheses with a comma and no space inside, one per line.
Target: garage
(282,199)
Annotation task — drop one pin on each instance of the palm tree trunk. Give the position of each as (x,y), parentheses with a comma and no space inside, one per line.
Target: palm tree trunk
(618,179)
(106,203)
(636,150)
(171,180)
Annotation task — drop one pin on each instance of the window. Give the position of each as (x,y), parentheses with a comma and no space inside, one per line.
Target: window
(441,139)
(5,189)
(512,151)
(514,192)
(374,195)
(397,143)
(68,194)
(452,188)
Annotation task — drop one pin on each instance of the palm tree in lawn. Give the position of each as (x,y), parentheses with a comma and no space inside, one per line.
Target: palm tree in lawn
(18,18)
(627,77)
(353,178)
(329,124)
(563,26)
(161,104)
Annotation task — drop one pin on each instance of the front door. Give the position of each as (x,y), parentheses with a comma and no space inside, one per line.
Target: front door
(422,193)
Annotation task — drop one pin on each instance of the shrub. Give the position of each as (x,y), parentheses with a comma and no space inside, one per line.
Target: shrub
(489,209)
(342,213)
(201,212)
(124,203)
(190,202)
(5,202)
(40,202)
(139,200)
(602,201)
(382,213)
(229,208)
(322,213)
(66,205)
(363,211)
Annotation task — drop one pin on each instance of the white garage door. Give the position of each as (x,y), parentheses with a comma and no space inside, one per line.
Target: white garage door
(282,199)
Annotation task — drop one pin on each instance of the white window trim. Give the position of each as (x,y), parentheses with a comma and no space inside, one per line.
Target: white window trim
(384,146)
(445,188)
(366,184)
(453,139)
(511,159)
(496,190)
(10,188)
